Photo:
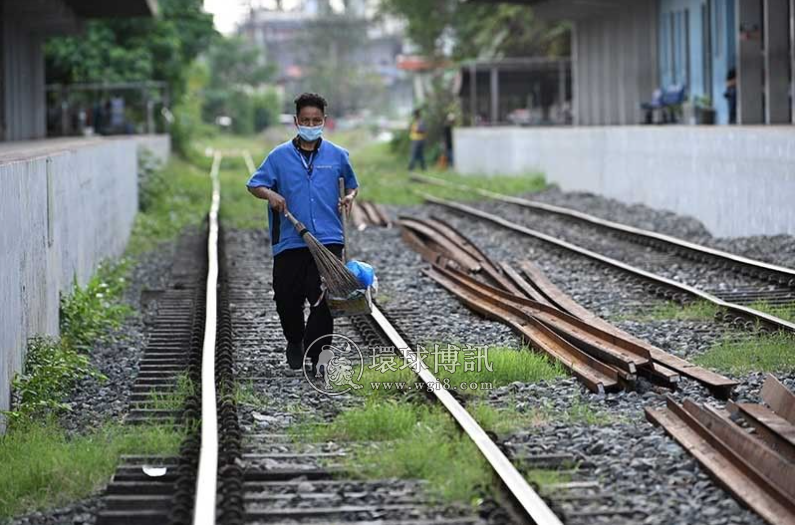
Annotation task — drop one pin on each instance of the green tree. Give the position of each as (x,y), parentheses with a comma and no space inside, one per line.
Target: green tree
(478,30)
(236,86)
(330,50)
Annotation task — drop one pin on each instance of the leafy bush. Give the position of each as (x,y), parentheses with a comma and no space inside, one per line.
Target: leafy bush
(151,182)
(51,368)
(90,312)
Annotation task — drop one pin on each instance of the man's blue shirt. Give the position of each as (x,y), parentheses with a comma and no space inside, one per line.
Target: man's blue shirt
(310,188)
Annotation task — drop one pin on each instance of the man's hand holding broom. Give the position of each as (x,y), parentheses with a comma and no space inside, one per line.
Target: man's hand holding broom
(345,203)
(275,200)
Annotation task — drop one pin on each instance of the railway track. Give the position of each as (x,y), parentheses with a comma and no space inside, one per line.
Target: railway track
(673,267)
(211,323)
(663,286)
(217,328)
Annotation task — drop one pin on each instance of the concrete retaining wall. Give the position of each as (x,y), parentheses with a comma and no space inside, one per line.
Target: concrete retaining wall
(736,180)
(65,205)
(159,146)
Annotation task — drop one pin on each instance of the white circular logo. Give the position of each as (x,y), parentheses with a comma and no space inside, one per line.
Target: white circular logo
(336,366)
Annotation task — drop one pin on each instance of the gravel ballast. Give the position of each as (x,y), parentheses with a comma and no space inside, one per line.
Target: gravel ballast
(650,472)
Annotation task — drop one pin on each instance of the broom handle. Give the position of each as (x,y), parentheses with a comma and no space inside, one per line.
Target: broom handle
(298,224)
(342,219)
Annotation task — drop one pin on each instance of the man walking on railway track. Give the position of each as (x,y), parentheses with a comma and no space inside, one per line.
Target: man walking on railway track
(302,176)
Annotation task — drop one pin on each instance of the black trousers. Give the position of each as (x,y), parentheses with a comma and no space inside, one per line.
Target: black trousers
(295,280)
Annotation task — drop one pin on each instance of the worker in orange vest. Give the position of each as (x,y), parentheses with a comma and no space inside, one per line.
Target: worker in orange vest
(417,135)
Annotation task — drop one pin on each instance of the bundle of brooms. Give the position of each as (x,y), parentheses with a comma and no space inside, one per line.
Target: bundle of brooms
(344,294)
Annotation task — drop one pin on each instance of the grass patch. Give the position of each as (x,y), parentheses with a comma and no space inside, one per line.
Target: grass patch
(182,199)
(52,367)
(695,311)
(502,421)
(456,365)
(42,467)
(544,477)
(384,178)
(246,394)
(786,312)
(174,399)
(413,441)
(764,353)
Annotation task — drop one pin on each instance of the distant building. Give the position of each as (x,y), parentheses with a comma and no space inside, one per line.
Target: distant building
(281,35)
(24,27)
(625,49)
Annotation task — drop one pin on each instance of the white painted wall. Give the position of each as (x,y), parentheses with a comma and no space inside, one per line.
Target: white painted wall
(65,205)
(737,180)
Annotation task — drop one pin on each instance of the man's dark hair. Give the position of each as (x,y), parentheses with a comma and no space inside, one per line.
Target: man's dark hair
(310,100)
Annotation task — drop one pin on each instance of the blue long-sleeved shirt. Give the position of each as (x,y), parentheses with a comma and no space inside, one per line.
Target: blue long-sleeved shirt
(310,188)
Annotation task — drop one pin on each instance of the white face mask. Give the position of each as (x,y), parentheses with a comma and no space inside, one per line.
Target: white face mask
(310,133)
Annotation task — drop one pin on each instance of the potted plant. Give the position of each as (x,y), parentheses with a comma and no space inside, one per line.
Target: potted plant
(705,113)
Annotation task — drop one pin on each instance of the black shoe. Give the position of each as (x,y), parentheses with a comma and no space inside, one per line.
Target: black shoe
(295,355)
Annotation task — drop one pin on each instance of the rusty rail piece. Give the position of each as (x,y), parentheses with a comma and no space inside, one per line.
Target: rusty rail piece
(751,468)
(666,366)
(751,314)
(460,245)
(745,265)
(597,376)
(779,398)
(535,509)
(366,213)
(608,348)
(619,355)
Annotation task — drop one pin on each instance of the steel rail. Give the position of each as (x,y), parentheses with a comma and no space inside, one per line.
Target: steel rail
(742,311)
(785,275)
(204,509)
(532,504)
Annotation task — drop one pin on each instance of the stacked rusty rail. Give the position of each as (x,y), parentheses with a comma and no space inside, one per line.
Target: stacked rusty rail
(757,468)
(602,356)
(366,213)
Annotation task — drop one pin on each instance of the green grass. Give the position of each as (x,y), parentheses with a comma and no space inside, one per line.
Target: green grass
(383,177)
(764,353)
(90,312)
(41,467)
(695,311)
(414,441)
(246,394)
(543,477)
(501,366)
(182,199)
(504,421)
(175,399)
(786,312)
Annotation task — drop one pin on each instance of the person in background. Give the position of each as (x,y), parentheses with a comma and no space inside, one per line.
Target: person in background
(417,135)
(731,94)
(448,139)
(302,175)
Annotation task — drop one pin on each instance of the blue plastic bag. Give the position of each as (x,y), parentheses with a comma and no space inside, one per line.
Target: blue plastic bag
(363,272)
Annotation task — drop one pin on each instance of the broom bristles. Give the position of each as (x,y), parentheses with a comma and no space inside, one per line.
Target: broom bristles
(339,280)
